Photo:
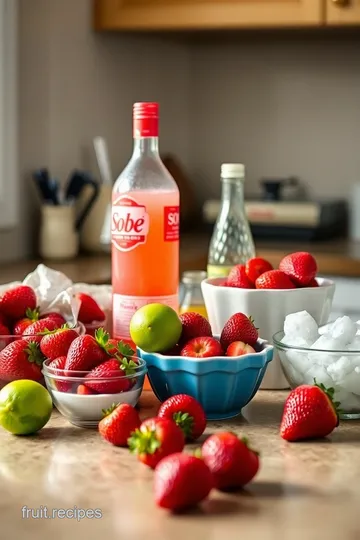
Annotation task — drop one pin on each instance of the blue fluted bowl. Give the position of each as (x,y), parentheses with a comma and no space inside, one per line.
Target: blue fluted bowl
(223,385)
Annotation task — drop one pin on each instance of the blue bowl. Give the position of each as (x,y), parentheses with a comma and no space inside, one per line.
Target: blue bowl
(222,385)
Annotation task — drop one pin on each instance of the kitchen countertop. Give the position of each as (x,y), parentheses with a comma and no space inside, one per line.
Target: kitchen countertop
(304,490)
(335,258)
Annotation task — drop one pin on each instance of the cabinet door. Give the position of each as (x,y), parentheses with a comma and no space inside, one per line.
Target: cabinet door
(343,12)
(205,14)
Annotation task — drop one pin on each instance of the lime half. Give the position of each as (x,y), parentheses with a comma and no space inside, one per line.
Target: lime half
(25,407)
(155,328)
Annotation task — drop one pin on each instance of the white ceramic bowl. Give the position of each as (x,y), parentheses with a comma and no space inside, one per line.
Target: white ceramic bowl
(268,308)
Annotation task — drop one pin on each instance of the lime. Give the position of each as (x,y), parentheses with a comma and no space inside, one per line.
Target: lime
(25,407)
(155,328)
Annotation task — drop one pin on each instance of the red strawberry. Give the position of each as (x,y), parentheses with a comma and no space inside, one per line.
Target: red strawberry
(119,347)
(57,342)
(239,328)
(15,302)
(187,413)
(231,461)
(239,348)
(155,439)
(309,413)
(194,325)
(38,329)
(181,481)
(119,423)
(4,331)
(32,315)
(274,279)
(90,310)
(255,267)
(301,267)
(21,360)
(87,352)
(114,372)
(238,278)
(313,283)
(58,365)
(202,347)
(84,390)
(56,316)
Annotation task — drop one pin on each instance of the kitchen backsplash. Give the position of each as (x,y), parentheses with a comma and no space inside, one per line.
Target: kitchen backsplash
(283,106)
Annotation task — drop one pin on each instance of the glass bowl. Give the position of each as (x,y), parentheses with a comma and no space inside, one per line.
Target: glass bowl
(337,369)
(87,410)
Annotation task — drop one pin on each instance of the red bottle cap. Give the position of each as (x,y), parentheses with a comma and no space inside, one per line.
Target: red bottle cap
(146,120)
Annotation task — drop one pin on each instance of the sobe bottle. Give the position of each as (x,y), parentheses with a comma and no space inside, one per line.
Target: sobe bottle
(145,227)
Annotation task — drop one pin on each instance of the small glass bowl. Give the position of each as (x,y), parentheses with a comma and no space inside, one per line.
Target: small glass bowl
(339,370)
(87,410)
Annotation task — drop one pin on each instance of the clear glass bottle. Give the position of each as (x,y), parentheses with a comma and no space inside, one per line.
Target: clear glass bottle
(232,242)
(192,299)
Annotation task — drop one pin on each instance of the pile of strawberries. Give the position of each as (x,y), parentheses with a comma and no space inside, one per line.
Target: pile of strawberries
(238,337)
(223,462)
(34,337)
(296,270)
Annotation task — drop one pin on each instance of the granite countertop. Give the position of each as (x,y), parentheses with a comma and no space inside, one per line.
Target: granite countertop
(306,490)
(334,257)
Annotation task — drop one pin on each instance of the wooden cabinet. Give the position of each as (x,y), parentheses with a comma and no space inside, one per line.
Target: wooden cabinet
(342,12)
(206,14)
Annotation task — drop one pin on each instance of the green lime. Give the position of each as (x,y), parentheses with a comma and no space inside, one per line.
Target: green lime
(25,407)
(155,328)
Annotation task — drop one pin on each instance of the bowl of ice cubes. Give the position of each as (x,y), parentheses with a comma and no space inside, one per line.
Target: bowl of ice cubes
(328,355)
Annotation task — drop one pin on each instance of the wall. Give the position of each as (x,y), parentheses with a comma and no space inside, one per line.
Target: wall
(282,105)
(76,84)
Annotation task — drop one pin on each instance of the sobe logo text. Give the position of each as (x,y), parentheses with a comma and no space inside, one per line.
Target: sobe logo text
(129,225)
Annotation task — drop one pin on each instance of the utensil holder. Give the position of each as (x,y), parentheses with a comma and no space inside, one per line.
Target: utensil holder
(58,236)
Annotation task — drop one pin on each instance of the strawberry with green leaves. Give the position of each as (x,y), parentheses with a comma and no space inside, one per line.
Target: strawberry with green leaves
(187,413)
(118,423)
(32,315)
(38,329)
(21,359)
(118,376)
(87,352)
(16,301)
(155,439)
(57,342)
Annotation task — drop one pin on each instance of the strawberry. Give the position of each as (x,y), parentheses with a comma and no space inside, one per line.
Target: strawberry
(187,413)
(274,279)
(21,360)
(32,315)
(38,329)
(194,325)
(4,331)
(237,278)
(115,372)
(313,283)
(16,301)
(84,390)
(181,481)
(202,347)
(58,365)
(239,348)
(119,423)
(87,352)
(56,316)
(155,439)
(239,328)
(255,267)
(231,461)
(90,310)
(118,347)
(309,412)
(301,267)
(57,342)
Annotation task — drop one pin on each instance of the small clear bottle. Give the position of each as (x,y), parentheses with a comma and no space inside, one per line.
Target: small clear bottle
(232,242)
(192,296)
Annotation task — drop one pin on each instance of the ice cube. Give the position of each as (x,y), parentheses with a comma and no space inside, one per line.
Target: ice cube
(318,374)
(340,369)
(299,361)
(325,343)
(296,341)
(344,330)
(301,324)
(348,401)
(354,345)
(351,382)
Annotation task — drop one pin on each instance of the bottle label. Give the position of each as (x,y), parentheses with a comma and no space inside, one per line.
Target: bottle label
(171,223)
(124,308)
(217,271)
(129,223)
